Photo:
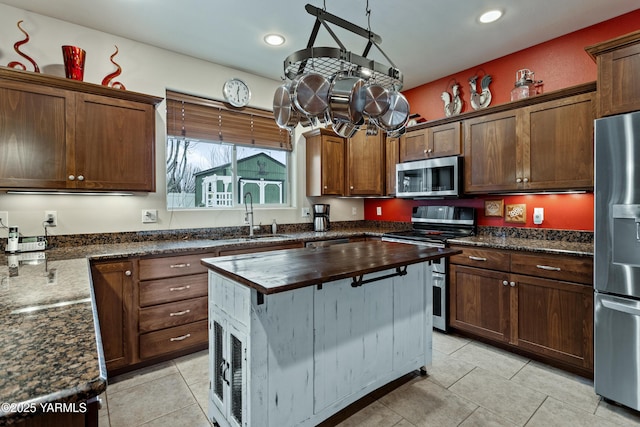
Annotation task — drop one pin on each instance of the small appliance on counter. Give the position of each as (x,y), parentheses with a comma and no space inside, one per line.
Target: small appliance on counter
(321,217)
(12,241)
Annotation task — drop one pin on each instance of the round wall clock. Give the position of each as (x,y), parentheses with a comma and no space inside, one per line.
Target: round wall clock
(236,92)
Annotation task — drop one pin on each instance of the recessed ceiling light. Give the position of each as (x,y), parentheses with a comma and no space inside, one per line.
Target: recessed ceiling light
(273,39)
(490,16)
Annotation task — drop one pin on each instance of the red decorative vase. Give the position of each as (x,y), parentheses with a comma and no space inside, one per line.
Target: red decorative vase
(73,62)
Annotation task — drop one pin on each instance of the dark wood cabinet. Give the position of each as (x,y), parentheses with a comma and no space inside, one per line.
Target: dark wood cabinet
(365,164)
(114,290)
(538,303)
(480,302)
(392,157)
(543,146)
(344,167)
(325,161)
(618,63)
(435,141)
(61,134)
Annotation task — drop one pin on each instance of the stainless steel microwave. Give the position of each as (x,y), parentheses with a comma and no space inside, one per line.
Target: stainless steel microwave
(439,177)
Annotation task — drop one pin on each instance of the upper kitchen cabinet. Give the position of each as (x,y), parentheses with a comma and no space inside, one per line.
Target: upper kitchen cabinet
(325,163)
(618,69)
(61,134)
(536,146)
(345,167)
(365,164)
(435,141)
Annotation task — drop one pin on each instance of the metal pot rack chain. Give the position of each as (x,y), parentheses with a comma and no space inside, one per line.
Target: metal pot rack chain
(329,61)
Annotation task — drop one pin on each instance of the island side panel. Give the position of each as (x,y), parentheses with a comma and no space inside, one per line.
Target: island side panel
(285,323)
(413,321)
(353,338)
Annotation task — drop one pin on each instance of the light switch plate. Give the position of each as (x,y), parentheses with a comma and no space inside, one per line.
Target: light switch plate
(149,216)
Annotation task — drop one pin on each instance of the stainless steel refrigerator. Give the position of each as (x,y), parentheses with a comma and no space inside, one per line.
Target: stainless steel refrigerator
(617,259)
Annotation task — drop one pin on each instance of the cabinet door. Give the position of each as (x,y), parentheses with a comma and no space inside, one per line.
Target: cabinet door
(413,145)
(35,135)
(560,145)
(392,157)
(332,166)
(493,159)
(618,89)
(228,371)
(444,140)
(115,144)
(480,302)
(554,319)
(365,160)
(114,293)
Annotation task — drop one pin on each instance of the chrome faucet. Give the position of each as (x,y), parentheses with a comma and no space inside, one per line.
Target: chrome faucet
(248,216)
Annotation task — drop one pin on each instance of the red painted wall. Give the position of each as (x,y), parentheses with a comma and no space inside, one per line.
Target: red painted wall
(561,211)
(560,63)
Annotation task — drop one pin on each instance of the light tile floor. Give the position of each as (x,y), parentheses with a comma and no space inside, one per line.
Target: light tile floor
(469,384)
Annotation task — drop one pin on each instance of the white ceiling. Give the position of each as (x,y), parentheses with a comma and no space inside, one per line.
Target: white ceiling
(426,39)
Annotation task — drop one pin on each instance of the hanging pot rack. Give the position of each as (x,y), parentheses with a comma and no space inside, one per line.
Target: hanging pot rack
(329,61)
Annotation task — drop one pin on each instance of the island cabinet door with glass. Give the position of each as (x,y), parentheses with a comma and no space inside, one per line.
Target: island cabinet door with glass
(299,356)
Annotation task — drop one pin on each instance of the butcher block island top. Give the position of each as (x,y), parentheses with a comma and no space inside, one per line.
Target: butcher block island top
(285,270)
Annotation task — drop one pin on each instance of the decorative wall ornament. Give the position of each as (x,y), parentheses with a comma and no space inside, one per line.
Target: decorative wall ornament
(494,207)
(516,213)
(452,107)
(16,47)
(482,99)
(107,79)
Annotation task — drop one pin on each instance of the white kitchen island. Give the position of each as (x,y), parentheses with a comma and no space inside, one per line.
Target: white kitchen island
(299,334)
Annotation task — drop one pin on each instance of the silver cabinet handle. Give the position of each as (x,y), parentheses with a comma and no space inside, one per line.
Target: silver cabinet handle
(183,265)
(71,177)
(127,273)
(180,338)
(179,288)
(476,258)
(179,313)
(526,180)
(505,283)
(548,267)
(80,178)
(518,180)
(512,284)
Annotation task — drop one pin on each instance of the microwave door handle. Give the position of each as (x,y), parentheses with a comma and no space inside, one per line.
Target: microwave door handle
(618,306)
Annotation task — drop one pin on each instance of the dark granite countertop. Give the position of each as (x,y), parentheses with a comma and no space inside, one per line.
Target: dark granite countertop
(50,349)
(559,247)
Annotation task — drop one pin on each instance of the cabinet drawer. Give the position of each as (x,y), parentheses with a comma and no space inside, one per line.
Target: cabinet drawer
(570,269)
(173,289)
(173,339)
(172,314)
(155,268)
(482,258)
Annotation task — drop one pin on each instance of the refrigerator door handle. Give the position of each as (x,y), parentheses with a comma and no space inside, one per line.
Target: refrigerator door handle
(617,306)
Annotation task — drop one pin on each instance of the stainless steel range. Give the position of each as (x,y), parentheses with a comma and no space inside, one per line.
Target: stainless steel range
(433,226)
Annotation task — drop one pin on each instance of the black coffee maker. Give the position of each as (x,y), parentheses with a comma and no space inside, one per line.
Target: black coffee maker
(320,217)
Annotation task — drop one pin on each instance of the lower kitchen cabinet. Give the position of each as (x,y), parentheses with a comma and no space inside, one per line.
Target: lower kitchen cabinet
(540,304)
(114,287)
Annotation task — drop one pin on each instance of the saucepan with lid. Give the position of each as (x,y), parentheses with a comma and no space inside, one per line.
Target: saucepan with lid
(345,99)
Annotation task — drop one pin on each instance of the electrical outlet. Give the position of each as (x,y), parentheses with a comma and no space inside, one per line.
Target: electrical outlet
(354,211)
(149,215)
(538,215)
(379,210)
(51,217)
(305,213)
(4,217)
